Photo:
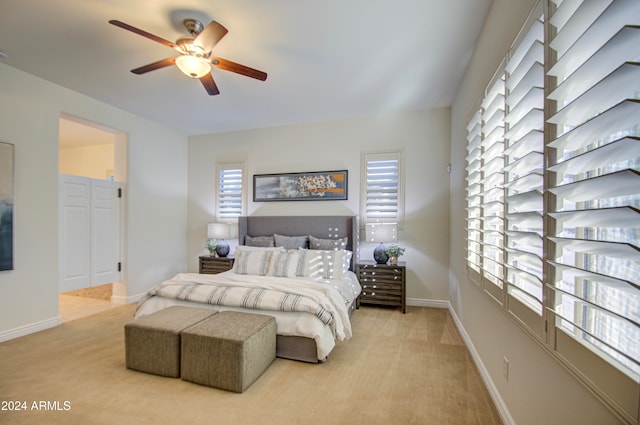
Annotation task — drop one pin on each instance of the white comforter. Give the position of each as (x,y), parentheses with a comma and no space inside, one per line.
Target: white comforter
(320,306)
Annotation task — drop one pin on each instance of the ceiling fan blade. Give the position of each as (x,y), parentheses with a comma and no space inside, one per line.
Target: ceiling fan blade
(209,85)
(238,69)
(210,36)
(142,33)
(153,66)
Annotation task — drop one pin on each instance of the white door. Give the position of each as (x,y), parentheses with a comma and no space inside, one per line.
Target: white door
(75,233)
(89,232)
(104,232)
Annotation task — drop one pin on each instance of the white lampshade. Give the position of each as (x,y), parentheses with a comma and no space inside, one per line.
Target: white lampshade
(381,232)
(218,231)
(193,66)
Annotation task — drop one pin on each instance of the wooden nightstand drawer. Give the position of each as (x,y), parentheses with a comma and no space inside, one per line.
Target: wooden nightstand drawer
(215,265)
(382,274)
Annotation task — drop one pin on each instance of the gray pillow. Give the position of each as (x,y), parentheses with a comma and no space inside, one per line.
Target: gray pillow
(291,242)
(262,241)
(327,244)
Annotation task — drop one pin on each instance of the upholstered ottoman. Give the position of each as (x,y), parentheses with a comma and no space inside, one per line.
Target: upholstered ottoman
(152,343)
(228,351)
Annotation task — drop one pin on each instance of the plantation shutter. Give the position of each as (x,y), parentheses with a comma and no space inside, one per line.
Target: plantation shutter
(382,200)
(230,196)
(492,169)
(594,210)
(524,147)
(474,192)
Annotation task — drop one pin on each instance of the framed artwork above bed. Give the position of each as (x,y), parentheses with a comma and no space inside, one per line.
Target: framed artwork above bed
(305,186)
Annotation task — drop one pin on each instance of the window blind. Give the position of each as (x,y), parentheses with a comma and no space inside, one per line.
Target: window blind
(230,195)
(594,179)
(474,191)
(492,182)
(505,160)
(382,197)
(524,181)
(553,191)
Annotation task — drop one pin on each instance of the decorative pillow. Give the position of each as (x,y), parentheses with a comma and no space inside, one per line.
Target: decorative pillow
(261,241)
(254,262)
(309,263)
(284,264)
(291,242)
(317,243)
(323,264)
(336,263)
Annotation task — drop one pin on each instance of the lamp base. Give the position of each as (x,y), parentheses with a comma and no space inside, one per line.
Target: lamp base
(222,248)
(380,255)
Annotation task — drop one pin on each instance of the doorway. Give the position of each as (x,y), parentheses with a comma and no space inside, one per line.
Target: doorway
(89,152)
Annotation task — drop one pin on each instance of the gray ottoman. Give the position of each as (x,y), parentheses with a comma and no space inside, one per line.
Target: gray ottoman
(228,351)
(152,343)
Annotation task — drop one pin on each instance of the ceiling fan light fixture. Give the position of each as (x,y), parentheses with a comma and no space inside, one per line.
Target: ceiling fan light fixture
(193,66)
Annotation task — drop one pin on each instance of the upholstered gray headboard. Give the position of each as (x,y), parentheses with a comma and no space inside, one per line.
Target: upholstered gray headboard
(323,227)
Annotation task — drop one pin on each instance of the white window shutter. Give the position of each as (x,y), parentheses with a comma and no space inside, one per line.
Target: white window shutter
(561,163)
(231,192)
(524,175)
(594,254)
(492,216)
(474,192)
(382,183)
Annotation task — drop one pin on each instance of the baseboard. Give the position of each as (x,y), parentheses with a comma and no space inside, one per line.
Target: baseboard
(493,391)
(30,328)
(117,300)
(420,302)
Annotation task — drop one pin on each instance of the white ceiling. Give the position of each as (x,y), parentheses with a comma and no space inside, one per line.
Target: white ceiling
(325,59)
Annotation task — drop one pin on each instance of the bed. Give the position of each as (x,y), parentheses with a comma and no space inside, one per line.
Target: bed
(311,291)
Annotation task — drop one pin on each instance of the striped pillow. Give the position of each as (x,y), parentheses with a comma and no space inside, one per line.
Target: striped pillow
(323,264)
(284,264)
(253,262)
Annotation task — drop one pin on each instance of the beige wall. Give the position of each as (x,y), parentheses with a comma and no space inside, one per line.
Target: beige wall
(539,390)
(155,197)
(422,135)
(96,162)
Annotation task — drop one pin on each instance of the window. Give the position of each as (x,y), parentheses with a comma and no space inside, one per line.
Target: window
(594,184)
(523,172)
(492,171)
(553,191)
(505,180)
(230,195)
(382,194)
(474,192)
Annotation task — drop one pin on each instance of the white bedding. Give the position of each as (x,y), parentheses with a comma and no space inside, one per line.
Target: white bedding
(332,295)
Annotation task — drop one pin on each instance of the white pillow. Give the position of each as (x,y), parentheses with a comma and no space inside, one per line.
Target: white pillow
(309,263)
(284,264)
(253,262)
(324,264)
(336,263)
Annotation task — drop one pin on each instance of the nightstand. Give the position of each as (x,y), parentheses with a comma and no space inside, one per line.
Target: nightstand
(215,265)
(382,284)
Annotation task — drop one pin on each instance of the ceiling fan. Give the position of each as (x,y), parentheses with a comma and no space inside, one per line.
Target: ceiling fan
(195,58)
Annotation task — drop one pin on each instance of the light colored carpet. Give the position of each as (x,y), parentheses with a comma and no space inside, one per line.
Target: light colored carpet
(102,292)
(397,369)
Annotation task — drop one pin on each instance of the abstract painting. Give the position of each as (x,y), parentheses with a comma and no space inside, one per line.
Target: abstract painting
(6,206)
(308,186)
